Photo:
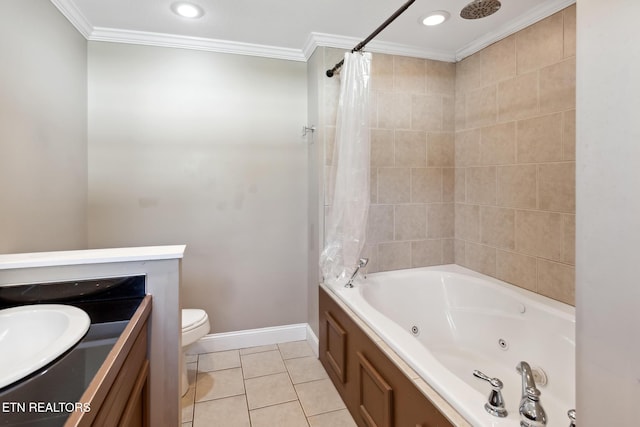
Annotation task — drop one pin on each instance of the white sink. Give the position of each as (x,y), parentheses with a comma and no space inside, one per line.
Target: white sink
(33,335)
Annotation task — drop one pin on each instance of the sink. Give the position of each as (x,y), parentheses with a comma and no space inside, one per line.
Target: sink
(31,336)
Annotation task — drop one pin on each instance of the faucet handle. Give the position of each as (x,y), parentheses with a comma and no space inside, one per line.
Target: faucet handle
(495,405)
(572,416)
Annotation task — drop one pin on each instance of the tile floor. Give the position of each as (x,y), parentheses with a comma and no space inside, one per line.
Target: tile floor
(281,385)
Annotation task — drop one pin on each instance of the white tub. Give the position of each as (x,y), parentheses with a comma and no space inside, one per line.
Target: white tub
(463,317)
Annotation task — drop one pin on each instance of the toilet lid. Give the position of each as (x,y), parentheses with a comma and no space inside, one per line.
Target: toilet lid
(192,317)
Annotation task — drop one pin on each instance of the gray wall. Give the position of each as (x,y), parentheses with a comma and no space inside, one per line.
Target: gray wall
(205,149)
(608,221)
(43,122)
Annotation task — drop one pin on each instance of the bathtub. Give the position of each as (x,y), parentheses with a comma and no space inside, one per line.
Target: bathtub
(447,321)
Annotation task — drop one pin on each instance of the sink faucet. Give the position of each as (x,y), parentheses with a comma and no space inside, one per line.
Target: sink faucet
(362,263)
(531,412)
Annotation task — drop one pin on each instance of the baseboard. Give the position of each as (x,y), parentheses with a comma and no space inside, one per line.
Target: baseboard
(254,337)
(313,341)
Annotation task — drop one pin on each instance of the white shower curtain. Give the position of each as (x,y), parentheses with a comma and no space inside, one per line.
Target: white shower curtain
(347,220)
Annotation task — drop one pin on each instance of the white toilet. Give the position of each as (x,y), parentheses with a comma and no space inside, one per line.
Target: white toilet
(195,325)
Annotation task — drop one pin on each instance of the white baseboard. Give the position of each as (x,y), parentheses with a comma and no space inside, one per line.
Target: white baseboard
(254,337)
(313,341)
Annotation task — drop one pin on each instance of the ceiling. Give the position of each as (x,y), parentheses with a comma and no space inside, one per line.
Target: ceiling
(292,29)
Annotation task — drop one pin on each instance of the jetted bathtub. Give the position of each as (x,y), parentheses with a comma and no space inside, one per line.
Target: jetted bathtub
(448,321)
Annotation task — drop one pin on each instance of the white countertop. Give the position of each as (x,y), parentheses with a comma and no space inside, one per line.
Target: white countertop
(90,256)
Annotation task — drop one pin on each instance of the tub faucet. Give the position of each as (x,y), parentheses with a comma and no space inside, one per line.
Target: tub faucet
(362,263)
(531,412)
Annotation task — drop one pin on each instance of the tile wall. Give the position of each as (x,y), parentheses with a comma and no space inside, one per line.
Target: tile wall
(411,217)
(515,158)
(474,162)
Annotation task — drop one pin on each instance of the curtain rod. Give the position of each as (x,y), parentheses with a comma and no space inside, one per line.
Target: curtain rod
(362,44)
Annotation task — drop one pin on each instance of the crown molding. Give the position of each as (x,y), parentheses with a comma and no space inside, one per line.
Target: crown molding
(196,43)
(329,40)
(543,11)
(70,11)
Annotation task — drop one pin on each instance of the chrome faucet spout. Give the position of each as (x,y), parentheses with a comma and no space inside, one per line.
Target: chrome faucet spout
(362,263)
(524,369)
(531,412)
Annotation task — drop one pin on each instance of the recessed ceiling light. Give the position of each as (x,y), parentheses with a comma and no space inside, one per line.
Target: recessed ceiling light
(187,10)
(436,17)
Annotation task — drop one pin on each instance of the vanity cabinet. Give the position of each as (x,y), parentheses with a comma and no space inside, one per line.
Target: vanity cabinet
(118,394)
(376,392)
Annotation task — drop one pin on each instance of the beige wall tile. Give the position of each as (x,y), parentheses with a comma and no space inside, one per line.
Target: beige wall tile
(460,185)
(394,185)
(481,107)
(569,15)
(569,246)
(520,270)
(459,252)
(499,60)
(481,185)
(539,234)
(426,252)
(370,251)
(410,222)
(467,148)
(518,97)
(440,149)
(394,110)
(469,73)
(382,147)
(516,186)
(540,44)
(467,226)
(448,184)
(569,135)
(409,74)
(558,86)
(557,187)
(426,185)
(441,77)
(373,185)
(498,144)
(460,111)
(380,224)
(411,148)
(557,281)
(448,251)
(382,72)
(480,258)
(426,112)
(440,220)
(448,113)
(497,227)
(394,256)
(540,139)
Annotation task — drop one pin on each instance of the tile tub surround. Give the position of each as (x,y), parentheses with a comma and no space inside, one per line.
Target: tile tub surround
(274,385)
(410,220)
(474,162)
(515,159)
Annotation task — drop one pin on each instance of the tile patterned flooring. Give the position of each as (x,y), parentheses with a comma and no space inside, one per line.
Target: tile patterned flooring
(281,385)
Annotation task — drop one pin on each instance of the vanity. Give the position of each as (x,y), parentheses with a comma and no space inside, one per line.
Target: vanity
(119,373)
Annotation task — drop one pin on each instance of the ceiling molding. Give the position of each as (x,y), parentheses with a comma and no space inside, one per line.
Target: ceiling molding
(329,40)
(69,9)
(195,43)
(537,14)
(72,13)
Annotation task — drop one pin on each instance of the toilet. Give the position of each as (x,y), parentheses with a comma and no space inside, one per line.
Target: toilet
(195,325)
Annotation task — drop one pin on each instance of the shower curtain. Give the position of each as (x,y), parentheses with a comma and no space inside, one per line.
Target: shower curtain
(347,220)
